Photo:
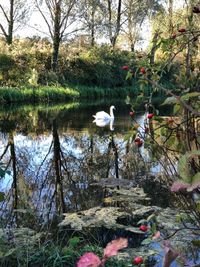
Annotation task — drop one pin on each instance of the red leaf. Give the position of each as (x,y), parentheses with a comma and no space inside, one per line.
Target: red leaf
(179,186)
(115,245)
(89,259)
(156,235)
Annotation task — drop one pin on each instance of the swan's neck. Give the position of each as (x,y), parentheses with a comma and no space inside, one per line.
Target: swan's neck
(111,113)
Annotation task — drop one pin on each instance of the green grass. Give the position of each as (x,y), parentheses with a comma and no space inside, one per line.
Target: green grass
(41,94)
(87,92)
(48,94)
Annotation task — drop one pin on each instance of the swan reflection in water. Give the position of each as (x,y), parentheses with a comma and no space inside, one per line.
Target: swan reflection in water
(102,118)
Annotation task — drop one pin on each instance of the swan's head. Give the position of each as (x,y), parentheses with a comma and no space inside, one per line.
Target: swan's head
(112,107)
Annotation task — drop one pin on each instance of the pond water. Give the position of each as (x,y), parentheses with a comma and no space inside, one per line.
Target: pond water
(53,154)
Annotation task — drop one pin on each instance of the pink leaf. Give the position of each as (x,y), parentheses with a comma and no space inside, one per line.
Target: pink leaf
(89,259)
(115,245)
(179,186)
(156,235)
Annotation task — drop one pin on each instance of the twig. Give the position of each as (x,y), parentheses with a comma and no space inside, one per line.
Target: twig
(169,92)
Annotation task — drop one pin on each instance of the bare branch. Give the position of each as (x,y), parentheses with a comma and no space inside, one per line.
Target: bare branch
(5,15)
(44,17)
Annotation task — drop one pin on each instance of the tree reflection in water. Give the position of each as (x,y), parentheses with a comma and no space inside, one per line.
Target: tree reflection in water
(53,164)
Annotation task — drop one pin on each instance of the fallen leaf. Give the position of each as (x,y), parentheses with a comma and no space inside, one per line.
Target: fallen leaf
(89,259)
(115,245)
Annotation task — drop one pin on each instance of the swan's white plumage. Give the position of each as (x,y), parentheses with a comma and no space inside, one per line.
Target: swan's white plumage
(102,115)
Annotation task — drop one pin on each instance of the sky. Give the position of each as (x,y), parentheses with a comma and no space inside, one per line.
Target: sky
(36,26)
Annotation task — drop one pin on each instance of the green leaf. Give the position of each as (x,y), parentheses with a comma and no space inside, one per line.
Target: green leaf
(183,165)
(135,230)
(128,100)
(2,196)
(146,241)
(196,243)
(153,228)
(190,96)
(171,141)
(177,108)
(142,221)
(169,101)
(10,252)
(73,242)
(152,217)
(129,75)
(196,177)
(198,206)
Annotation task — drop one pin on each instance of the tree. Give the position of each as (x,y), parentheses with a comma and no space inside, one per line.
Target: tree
(61,15)
(135,14)
(114,10)
(92,11)
(13,13)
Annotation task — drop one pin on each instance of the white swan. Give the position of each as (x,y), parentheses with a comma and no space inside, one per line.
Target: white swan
(102,123)
(103,116)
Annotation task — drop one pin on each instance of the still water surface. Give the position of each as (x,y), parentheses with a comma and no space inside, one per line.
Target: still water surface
(53,154)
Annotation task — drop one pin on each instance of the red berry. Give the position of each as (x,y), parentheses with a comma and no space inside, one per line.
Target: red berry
(143,228)
(181,30)
(125,67)
(142,70)
(173,36)
(138,260)
(131,113)
(196,10)
(137,139)
(150,115)
(170,121)
(139,143)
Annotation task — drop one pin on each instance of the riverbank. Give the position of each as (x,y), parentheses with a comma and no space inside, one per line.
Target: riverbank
(46,94)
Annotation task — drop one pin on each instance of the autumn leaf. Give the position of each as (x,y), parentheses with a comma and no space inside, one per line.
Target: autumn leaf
(156,235)
(179,186)
(113,247)
(89,259)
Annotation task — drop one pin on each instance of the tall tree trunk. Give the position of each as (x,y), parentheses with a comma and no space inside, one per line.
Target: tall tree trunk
(114,36)
(118,24)
(56,45)
(10,24)
(92,27)
(56,36)
(110,20)
(170,11)
(154,48)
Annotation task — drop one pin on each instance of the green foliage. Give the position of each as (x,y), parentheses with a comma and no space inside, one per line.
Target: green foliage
(99,66)
(185,168)
(40,94)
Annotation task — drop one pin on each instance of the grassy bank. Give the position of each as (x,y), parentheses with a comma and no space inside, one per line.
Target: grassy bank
(56,94)
(36,95)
